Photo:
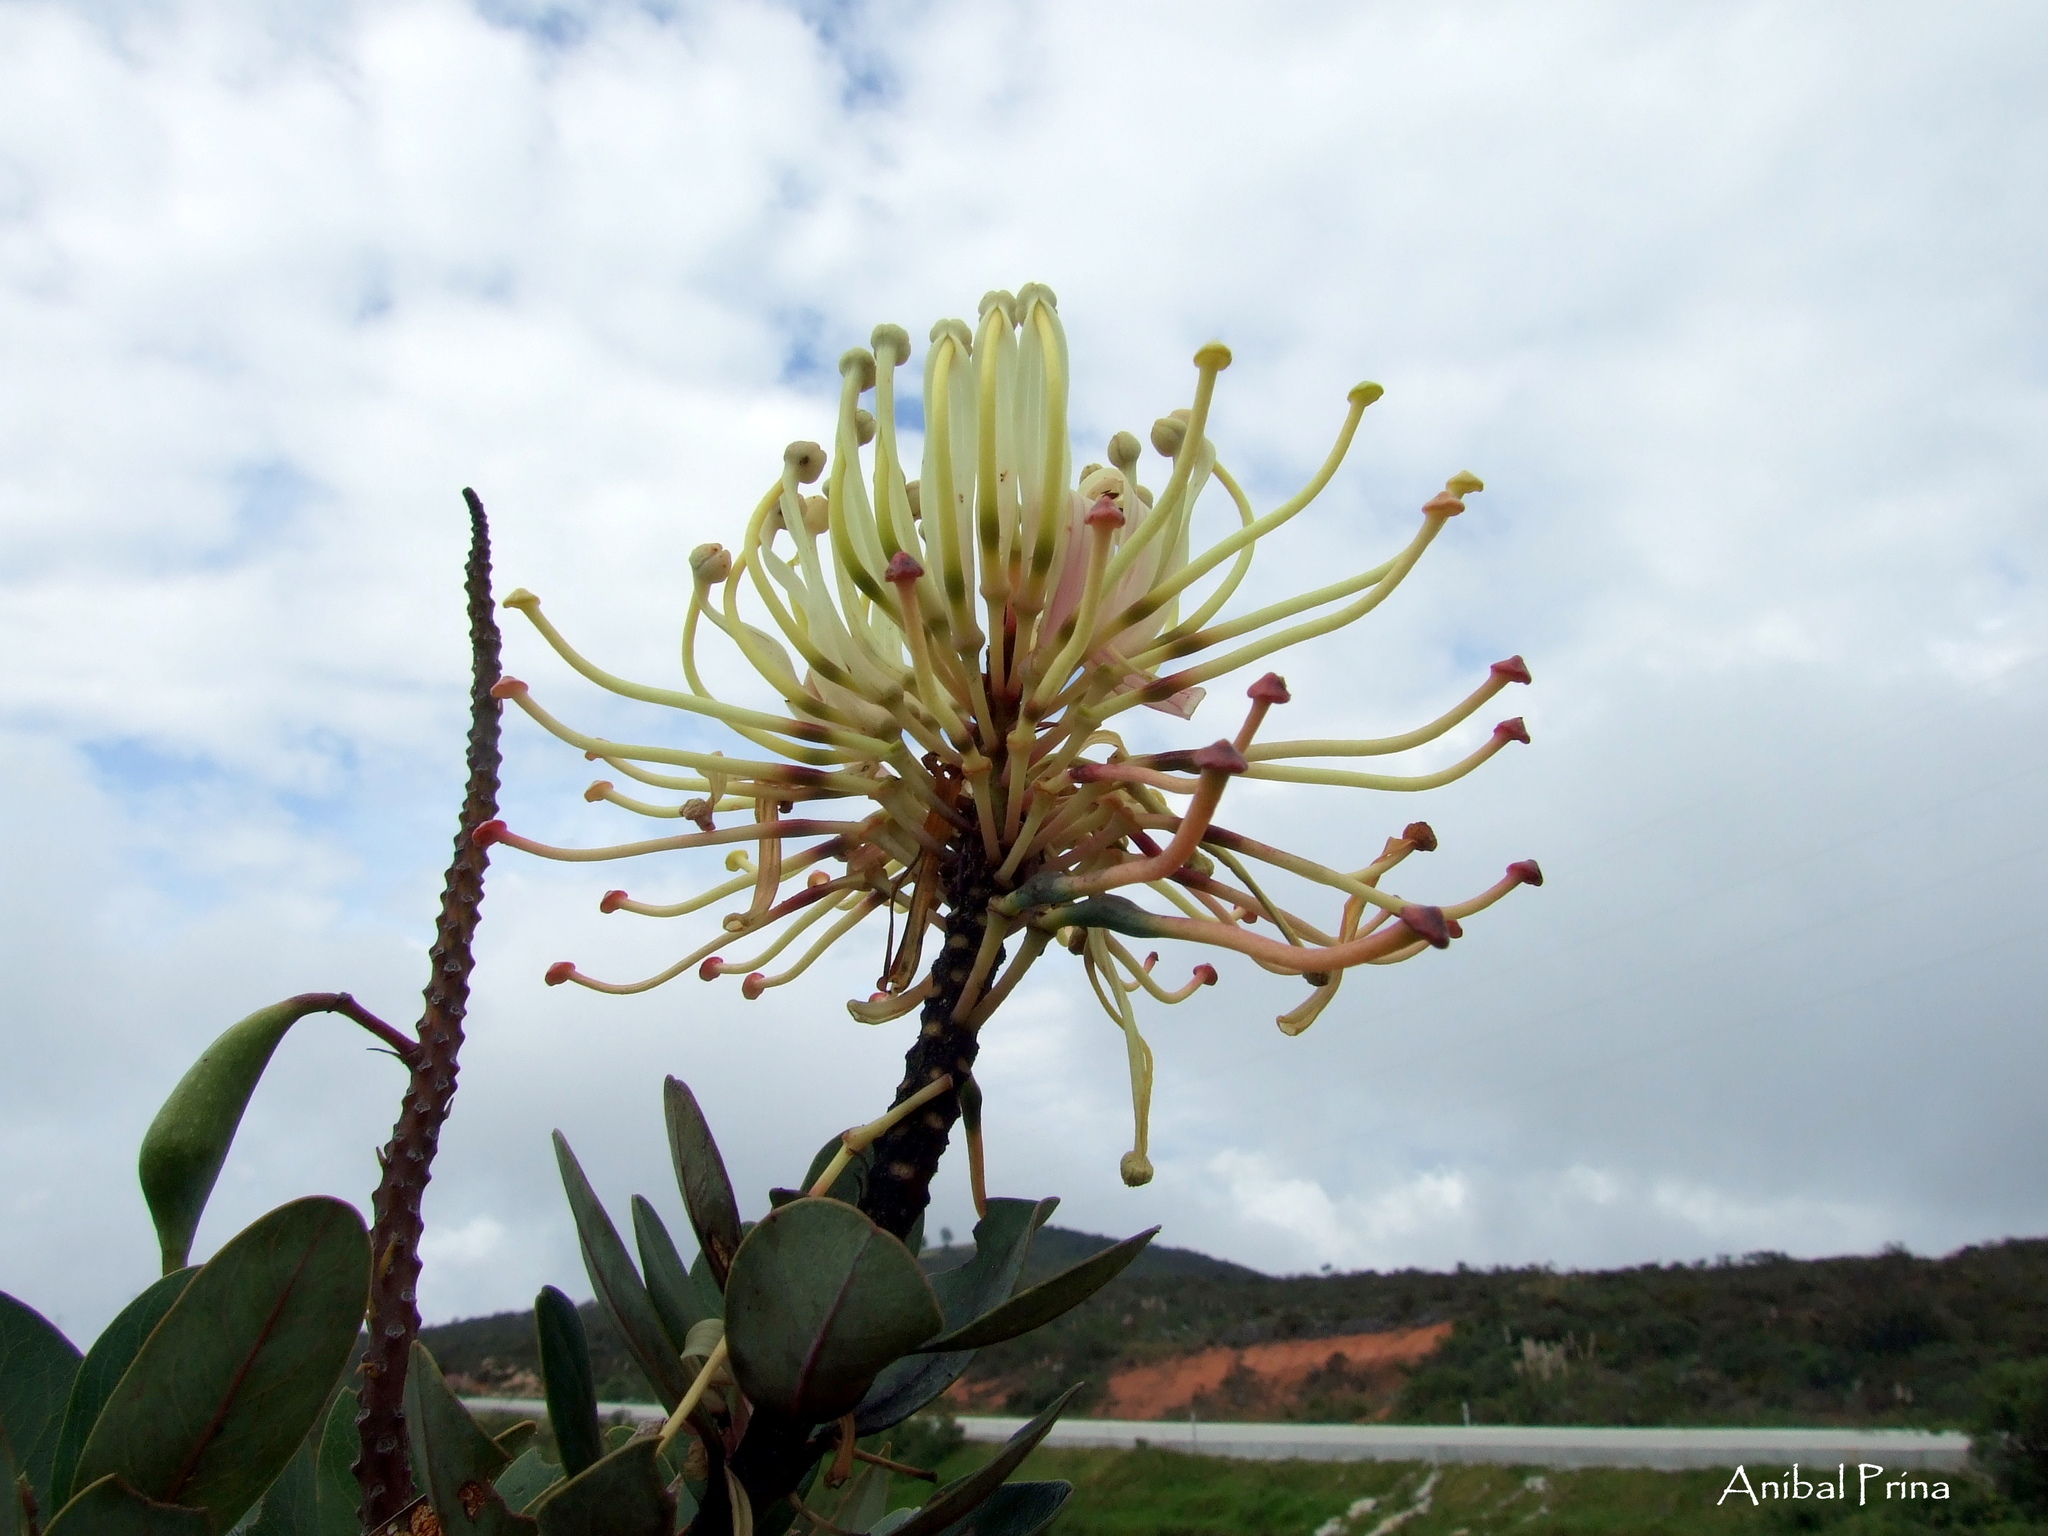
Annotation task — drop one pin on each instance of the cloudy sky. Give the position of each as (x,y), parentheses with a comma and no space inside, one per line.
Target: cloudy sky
(1737,308)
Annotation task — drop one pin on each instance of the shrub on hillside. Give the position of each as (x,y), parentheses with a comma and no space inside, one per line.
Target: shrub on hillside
(2009,1432)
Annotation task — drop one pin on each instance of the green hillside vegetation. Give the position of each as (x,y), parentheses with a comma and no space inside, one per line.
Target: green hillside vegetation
(1890,1339)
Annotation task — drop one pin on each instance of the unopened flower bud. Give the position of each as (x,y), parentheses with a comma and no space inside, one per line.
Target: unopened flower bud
(914,494)
(858,363)
(710,564)
(817,515)
(1124,449)
(1169,432)
(1136,1169)
(864,427)
(894,340)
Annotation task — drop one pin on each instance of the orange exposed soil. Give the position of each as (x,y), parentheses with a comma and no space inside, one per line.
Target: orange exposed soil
(1362,1372)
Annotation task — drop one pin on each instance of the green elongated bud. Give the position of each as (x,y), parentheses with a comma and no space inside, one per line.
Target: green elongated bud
(185,1145)
(567,1379)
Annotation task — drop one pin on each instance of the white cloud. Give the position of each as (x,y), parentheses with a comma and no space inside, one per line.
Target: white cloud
(1736,308)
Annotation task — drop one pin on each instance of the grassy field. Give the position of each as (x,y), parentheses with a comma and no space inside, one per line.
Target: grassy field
(1165,1493)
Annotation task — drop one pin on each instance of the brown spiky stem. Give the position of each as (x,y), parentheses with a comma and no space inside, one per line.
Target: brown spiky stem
(771,1460)
(899,1184)
(383,1470)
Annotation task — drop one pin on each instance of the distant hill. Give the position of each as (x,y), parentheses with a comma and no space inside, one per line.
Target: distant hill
(1884,1339)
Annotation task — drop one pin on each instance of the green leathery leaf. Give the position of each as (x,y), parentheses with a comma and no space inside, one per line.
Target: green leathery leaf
(226,1386)
(946,1510)
(622,1495)
(37,1367)
(110,1507)
(566,1378)
(526,1480)
(1046,1300)
(514,1441)
(1002,1240)
(338,1491)
(104,1365)
(819,1300)
(701,1176)
(14,1519)
(676,1300)
(454,1459)
(1015,1509)
(617,1284)
(291,1504)
(185,1145)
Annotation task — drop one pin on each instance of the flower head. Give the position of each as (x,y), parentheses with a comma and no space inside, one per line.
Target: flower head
(952,653)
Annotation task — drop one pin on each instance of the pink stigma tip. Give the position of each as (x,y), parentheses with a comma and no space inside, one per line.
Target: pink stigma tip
(1427,923)
(507,688)
(1513,730)
(611,901)
(1443,504)
(1206,975)
(1527,871)
(754,985)
(560,972)
(1218,757)
(903,566)
(1514,670)
(490,832)
(598,791)
(1421,834)
(1270,689)
(1105,513)
(711,969)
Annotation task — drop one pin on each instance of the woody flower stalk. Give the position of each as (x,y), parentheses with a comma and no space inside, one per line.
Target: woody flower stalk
(954,653)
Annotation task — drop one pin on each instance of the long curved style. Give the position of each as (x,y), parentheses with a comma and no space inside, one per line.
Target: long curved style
(952,651)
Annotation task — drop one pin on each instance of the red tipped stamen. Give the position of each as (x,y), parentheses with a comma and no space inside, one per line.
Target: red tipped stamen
(508,688)
(1527,871)
(1443,504)
(817,878)
(611,901)
(1513,730)
(1455,928)
(1421,835)
(487,834)
(1270,689)
(1206,975)
(1218,757)
(711,969)
(754,985)
(1427,923)
(598,791)
(560,972)
(1513,670)
(903,566)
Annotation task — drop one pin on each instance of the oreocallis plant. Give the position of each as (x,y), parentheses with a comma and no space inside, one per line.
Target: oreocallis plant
(940,687)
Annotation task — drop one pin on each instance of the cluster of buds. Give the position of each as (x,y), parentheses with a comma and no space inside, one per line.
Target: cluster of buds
(952,653)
